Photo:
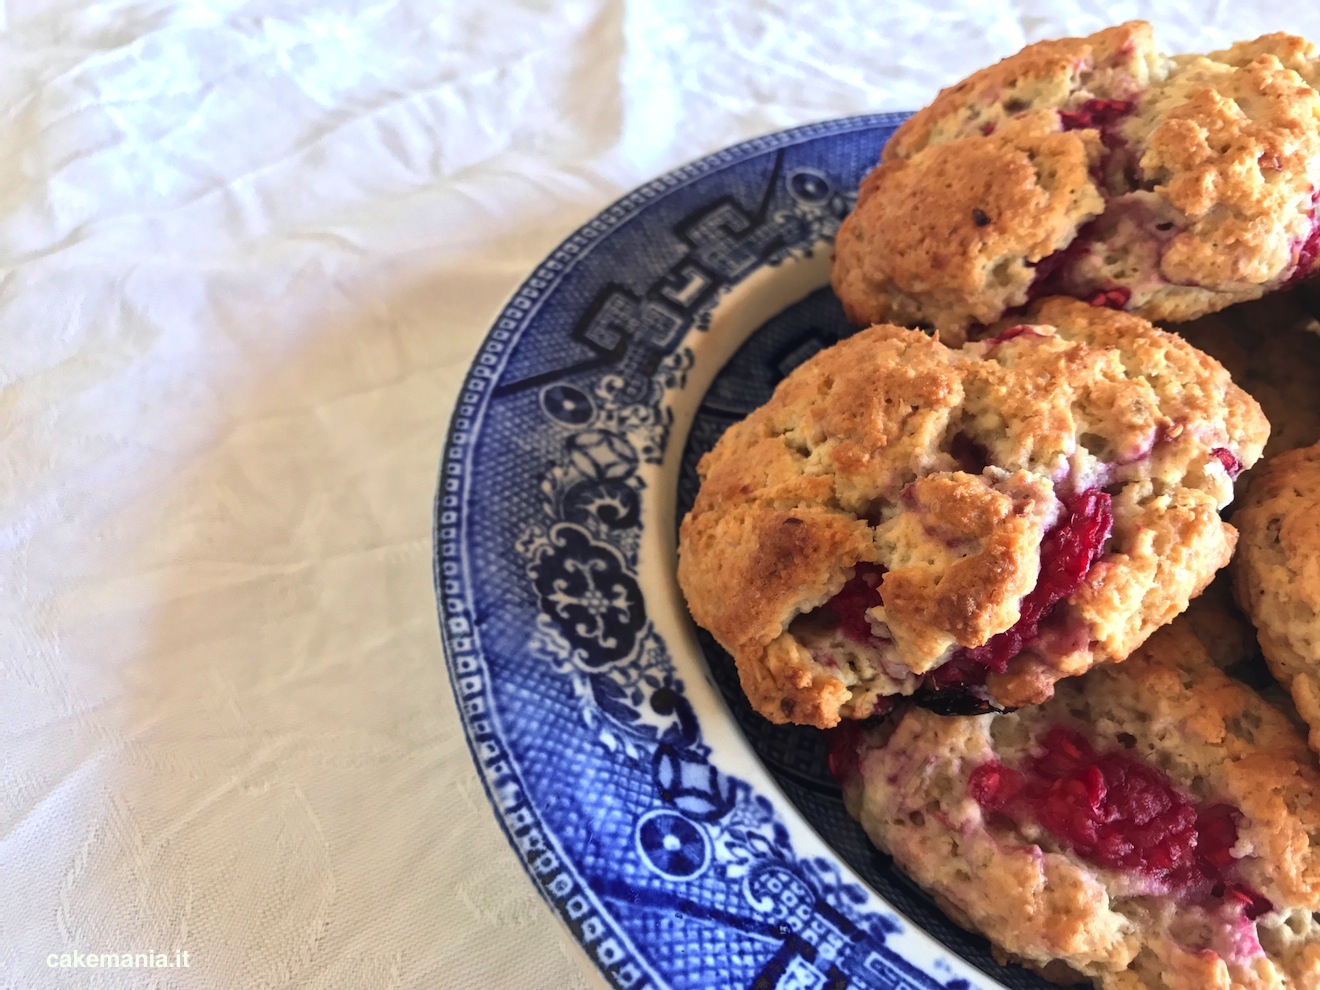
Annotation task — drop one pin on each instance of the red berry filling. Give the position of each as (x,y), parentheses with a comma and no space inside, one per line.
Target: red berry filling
(1069,549)
(1115,298)
(1067,553)
(1226,457)
(849,606)
(961,673)
(1115,811)
(1021,330)
(1052,271)
(1095,113)
(1113,175)
(1309,249)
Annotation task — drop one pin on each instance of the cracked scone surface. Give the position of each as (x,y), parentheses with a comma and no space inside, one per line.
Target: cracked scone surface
(964,524)
(1098,168)
(1151,827)
(1276,575)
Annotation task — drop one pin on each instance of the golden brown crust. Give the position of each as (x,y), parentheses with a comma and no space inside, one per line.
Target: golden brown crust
(1194,188)
(954,225)
(1277,574)
(1235,152)
(926,606)
(1116,62)
(1293,52)
(1039,901)
(855,461)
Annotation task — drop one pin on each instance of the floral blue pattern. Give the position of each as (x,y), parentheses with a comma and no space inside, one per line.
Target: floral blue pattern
(586,591)
(672,869)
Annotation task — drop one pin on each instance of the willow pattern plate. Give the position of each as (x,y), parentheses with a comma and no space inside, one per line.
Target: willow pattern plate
(686,842)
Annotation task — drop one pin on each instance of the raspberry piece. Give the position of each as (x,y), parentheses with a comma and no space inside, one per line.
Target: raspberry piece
(1115,811)
(1095,113)
(1217,828)
(962,673)
(993,786)
(1309,249)
(1069,549)
(1115,298)
(1227,458)
(1111,809)
(849,606)
(1052,271)
(1253,904)
(1066,555)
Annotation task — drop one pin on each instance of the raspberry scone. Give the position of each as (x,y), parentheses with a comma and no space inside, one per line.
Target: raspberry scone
(1271,348)
(1214,619)
(1276,576)
(1096,168)
(966,525)
(1149,828)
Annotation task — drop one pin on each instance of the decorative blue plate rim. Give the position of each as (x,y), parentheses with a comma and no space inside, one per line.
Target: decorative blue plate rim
(675,859)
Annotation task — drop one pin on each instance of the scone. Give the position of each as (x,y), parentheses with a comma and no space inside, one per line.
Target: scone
(1150,827)
(1097,168)
(1276,575)
(966,525)
(1214,619)
(1271,347)
(1229,641)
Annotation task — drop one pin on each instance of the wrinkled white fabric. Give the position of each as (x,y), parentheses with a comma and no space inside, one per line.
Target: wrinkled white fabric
(247,252)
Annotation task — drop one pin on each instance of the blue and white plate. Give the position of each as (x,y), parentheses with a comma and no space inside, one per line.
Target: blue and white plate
(687,843)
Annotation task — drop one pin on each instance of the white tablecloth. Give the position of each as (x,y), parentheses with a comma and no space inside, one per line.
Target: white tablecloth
(248,251)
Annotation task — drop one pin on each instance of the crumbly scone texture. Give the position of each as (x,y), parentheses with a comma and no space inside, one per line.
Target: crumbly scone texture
(1099,168)
(1043,904)
(1277,574)
(861,458)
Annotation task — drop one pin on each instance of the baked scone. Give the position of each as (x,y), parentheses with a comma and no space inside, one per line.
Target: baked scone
(1271,347)
(1150,827)
(1276,575)
(1229,641)
(964,524)
(1097,168)
(1215,620)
